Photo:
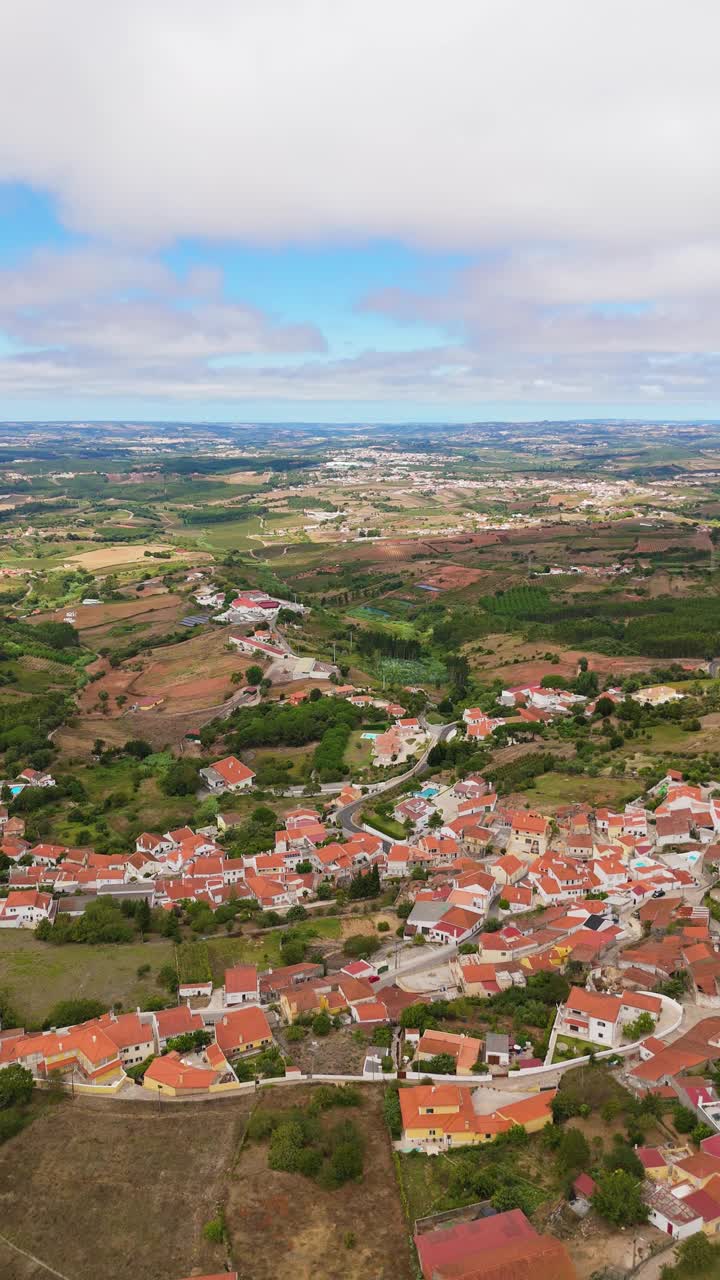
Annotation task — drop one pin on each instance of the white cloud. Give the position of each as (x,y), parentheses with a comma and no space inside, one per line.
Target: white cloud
(126,307)
(463,124)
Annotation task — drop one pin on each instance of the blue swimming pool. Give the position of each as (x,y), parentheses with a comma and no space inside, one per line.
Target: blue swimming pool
(16,788)
(428,792)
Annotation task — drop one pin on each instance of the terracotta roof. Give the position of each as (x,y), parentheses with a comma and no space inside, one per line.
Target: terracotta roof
(171,1071)
(232,770)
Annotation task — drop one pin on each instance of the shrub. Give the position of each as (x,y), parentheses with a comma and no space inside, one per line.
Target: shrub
(321,1024)
(684,1120)
(16,1086)
(11,1122)
(66,1013)
(619,1200)
(391,1111)
(214,1230)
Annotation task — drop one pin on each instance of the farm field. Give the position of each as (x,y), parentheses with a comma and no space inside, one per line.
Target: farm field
(122,1203)
(292,1229)
(100,624)
(111,557)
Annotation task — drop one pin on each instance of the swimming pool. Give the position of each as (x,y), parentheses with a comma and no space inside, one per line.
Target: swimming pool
(428,792)
(17,788)
(371,736)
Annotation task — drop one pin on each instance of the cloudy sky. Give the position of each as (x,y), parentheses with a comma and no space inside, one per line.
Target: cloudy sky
(359,209)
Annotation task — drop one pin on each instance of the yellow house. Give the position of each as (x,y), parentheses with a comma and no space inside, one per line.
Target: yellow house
(442,1117)
(654,1163)
(243,1031)
(697,1169)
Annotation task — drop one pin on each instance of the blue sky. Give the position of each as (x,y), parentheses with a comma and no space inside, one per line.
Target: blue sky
(354,213)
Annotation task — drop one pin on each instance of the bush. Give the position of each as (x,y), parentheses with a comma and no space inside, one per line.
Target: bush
(16,1086)
(12,1121)
(618,1199)
(66,1013)
(214,1230)
(360,945)
(321,1024)
(684,1120)
(391,1111)
(573,1152)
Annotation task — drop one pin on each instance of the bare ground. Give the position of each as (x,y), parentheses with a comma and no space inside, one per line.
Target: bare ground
(112,1190)
(285,1227)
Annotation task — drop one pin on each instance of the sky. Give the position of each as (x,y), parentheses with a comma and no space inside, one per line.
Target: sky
(355,210)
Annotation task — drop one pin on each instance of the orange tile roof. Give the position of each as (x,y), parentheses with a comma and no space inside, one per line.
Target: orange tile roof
(171,1071)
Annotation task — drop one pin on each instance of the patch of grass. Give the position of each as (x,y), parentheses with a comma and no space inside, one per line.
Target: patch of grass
(265,949)
(36,975)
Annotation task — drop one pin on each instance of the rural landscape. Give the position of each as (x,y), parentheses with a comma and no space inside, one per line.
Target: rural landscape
(359,640)
(360,832)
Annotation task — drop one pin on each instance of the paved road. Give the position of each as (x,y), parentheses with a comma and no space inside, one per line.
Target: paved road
(346,815)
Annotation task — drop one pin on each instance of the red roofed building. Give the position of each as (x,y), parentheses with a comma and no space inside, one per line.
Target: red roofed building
(503,1247)
(528,834)
(241,985)
(243,1031)
(229,774)
(24,909)
(176,1022)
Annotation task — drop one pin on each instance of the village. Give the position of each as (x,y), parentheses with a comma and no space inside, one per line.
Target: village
(372,873)
(491,899)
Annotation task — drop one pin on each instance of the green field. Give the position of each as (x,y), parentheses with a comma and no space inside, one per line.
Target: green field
(36,975)
(556,789)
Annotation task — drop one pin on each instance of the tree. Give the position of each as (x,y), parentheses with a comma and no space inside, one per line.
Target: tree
(67,1013)
(180,779)
(321,1024)
(16,1086)
(360,945)
(622,1156)
(442,1064)
(254,675)
(573,1152)
(695,1256)
(618,1199)
(143,916)
(604,706)
(684,1120)
(642,1026)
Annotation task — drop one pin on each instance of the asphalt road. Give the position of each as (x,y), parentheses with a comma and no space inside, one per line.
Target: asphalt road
(346,815)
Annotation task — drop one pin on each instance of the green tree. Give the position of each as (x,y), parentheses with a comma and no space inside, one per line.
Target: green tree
(642,1026)
(180,779)
(16,1086)
(573,1152)
(67,1013)
(684,1120)
(618,1199)
(254,675)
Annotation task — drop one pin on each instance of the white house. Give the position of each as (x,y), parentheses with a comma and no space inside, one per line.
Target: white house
(601,1019)
(229,774)
(242,986)
(24,909)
